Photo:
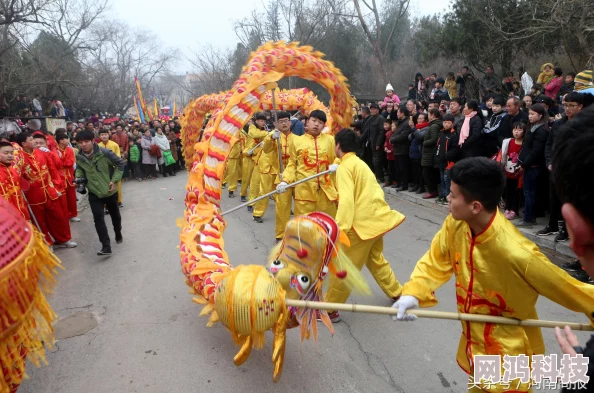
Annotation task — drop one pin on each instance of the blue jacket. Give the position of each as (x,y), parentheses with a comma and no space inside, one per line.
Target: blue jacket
(416,144)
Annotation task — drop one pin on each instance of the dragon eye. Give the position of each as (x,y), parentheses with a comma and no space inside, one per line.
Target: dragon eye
(275,266)
(303,281)
(277,262)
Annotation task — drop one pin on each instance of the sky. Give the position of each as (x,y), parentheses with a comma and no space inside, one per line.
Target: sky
(185,25)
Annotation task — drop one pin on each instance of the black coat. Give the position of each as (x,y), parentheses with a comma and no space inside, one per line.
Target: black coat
(472,145)
(447,149)
(399,139)
(495,131)
(377,134)
(533,147)
(553,134)
(430,142)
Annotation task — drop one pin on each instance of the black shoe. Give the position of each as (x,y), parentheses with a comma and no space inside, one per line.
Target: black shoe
(120,205)
(244,199)
(581,276)
(250,209)
(105,251)
(276,241)
(292,213)
(224,186)
(574,266)
(548,230)
(413,189)
(419,191)
(106,213)
(165,175)
(173,174)
(119,238)
(231,194)
(258,220)
(563,236)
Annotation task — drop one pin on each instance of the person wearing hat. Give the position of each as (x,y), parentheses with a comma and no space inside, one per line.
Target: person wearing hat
(310,154)
(253,149)
(583,80)
(391,96)
(546,74)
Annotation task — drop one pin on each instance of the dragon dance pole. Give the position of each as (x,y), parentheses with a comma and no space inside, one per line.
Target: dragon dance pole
(275,192)
(456,316)
(278,141)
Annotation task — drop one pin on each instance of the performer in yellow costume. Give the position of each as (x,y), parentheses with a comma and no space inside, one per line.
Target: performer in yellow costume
(253,148)
(365,217)
(114,147)
(247,165)
(270,170)
(310,154)
(234,165)
(498,272)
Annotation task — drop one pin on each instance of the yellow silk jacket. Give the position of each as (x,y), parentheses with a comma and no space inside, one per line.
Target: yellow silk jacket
(498,272)
(255,136)
(308,156)
(361,203)
(269,159)
(238,147)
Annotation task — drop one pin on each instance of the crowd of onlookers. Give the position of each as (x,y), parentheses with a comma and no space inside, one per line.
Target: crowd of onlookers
(410,144)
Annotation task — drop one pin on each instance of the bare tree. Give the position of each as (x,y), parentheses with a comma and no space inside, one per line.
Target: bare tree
(213,71)
(372,26)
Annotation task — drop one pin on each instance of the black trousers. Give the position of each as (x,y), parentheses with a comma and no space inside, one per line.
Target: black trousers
(149,170)
(111,204)
(402,170)
(512,195)
(417,173)
(431,177)
(378,164)
(392,175)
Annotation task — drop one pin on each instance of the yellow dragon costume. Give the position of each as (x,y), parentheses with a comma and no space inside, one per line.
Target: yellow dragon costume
(249,300)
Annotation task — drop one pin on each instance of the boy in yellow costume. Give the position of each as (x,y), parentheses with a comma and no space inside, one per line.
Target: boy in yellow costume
(233,165)
(365,217)
(253,149)
(270,171)
(498,272)
(310,154)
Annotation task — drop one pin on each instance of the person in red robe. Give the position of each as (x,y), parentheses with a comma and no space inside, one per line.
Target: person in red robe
(43,197)
(67,160)
(10,181)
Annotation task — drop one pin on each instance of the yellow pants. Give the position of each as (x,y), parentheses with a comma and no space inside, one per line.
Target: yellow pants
(323,204)
(247,167)
(365,253)
(266,185)
(284,203)
(232,173)
(254,183)
(119,192)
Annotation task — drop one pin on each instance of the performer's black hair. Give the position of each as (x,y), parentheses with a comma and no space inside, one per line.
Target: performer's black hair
(283,115)
(60,136)
(479,179)
(318,114)
(573,163)
(22,138)
(4,144)
(348,140)
(85,135)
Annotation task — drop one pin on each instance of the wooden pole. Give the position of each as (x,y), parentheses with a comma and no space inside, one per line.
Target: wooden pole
(456,316)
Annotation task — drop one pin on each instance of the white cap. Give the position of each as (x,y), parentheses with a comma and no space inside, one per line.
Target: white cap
(389,87)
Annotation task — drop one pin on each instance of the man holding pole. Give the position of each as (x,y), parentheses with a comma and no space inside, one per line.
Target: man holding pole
(498,273)
(365,217)
(253,149)
(311,154)
(270,171)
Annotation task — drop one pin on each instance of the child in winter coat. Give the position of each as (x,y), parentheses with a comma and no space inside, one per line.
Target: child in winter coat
(446,154)
(135,158)
(416,137)
(391,96)
(510,152)
(546,74)
(389,149)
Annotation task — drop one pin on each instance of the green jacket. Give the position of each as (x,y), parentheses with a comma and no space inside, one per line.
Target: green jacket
(101,169)
(134,154)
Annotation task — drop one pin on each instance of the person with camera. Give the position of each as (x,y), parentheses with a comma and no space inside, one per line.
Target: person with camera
(100,170)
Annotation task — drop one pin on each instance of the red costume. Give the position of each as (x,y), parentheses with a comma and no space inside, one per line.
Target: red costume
(67,161)
(10,189)
(43,195)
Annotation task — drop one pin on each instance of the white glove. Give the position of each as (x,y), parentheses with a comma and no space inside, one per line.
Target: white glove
(405,302)
(275,134)
(44,149)
(282,187)
(332,168)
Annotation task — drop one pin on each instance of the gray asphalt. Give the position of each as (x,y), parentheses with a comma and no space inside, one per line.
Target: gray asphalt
(145,334)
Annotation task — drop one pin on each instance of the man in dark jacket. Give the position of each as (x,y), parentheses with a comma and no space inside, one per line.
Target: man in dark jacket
(377,137)
(573,104)
(401,145)
(446,153)
(430,174)
(364,139)
(102,170)
(572,165)
(514,115)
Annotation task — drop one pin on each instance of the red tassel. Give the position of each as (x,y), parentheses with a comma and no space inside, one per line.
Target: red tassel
(302,253)
(341,274)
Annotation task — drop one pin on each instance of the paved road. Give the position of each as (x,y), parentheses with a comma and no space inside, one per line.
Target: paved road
(150,339)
